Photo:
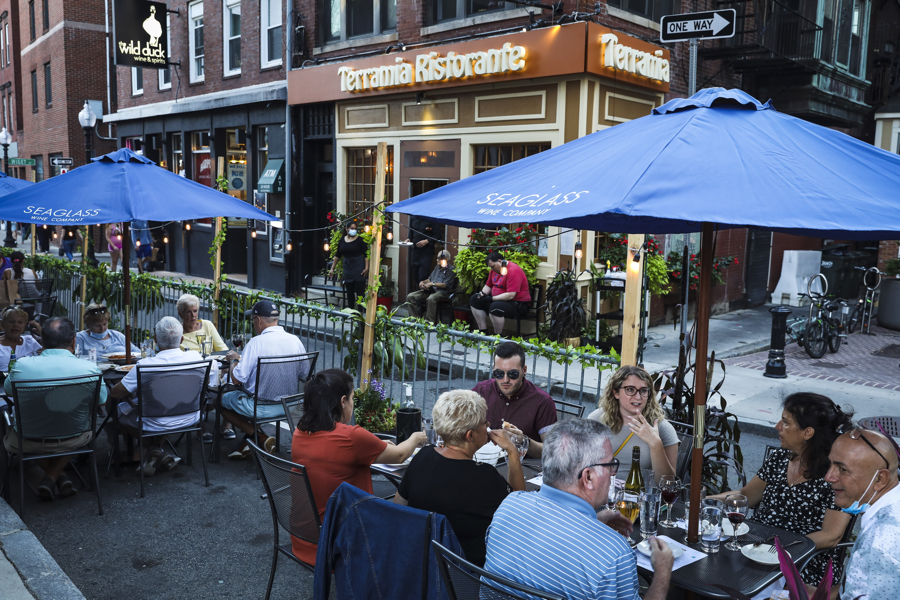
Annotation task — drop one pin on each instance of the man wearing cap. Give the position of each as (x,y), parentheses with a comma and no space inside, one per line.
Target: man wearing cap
(271,340)
(436,288)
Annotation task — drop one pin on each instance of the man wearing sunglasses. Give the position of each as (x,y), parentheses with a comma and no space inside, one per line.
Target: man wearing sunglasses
(863,475)
(513,399)
(562,540)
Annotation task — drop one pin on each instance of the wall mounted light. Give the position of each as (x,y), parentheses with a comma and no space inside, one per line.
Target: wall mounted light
(419,97)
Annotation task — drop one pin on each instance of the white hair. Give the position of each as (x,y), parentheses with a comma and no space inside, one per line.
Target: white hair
(457,412)
(186,301)
(569,447)
(168,333)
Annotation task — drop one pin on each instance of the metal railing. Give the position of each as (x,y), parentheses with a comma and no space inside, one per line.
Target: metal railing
(428,359)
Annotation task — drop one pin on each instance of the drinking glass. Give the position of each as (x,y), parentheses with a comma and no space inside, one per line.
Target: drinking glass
(521,442)
(649,500)
(712,512)
(736,508)
(687,498)
(200,339)
(206,347)
(629,508)
(649,479)
(670,487)
(237,340)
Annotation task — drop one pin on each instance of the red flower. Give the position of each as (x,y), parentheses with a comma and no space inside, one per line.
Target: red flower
(519,230)
(496,234)
(735,261)
(695,276)
(693,256)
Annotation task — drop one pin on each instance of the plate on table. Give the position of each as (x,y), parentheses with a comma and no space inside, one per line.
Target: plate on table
(106,366)
(728,530)
(760,554)
(119,357)
(644,548)
(124,368)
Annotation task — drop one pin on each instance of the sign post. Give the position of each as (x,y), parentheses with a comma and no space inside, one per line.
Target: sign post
(21,162)
(59,161)
(710,25)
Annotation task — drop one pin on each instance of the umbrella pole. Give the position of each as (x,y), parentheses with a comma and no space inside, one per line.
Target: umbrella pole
(126,260)
(374,271)
(706,262)
(217,272)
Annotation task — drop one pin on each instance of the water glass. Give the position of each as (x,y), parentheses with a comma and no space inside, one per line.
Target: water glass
(687,498)
(650,500)
(206,348)
(431,437)
(712,512)
(649,478)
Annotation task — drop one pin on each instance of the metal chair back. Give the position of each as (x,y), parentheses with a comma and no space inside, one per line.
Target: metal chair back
(683,460)
(281,376)
(465,581)
(171,390)
(56,408)
(566,410)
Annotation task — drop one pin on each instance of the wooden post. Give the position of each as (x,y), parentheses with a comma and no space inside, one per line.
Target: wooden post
(84,251)
(700,391)
(33,235)
(374,266)
(634,280)
(217,273)
(126,267)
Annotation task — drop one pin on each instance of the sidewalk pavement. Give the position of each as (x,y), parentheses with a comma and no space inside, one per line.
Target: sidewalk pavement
(27,571)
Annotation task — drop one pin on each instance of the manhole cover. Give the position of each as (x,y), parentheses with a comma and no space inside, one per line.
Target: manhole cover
(892,351)
(828,365)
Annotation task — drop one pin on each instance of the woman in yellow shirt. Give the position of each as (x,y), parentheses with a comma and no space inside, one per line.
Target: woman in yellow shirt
(188,308)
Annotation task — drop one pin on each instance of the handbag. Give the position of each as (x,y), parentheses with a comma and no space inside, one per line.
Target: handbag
(9,292)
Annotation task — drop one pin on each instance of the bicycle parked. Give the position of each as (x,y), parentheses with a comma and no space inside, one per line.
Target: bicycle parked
(822,328)
(864,310)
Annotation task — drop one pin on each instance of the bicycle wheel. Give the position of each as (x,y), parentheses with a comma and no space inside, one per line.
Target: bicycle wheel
(834,340)
(855,318)
(815,339)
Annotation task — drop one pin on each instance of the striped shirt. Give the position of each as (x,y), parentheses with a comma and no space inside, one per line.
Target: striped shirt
(552,541)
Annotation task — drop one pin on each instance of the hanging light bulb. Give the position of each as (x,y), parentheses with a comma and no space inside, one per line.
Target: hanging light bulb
(45,227)
(54,235)
(165,239)
(187,226)
(368,229)
(253,234)
(503,269)
(137,244)
(118,236)
(71,233)
(444,262)
(289,247)
(390,235)
(578,252)
(327,246)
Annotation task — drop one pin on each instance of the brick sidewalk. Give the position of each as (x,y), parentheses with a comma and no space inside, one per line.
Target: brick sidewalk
(854,363)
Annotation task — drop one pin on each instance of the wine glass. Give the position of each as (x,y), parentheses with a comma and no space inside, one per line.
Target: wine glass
(237,341)
(736,508)
(521,442)
(200,339)
(670,486)
(627,506)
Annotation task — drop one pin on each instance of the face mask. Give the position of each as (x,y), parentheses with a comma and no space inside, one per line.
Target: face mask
(352,232)
(97,336)
(856,507)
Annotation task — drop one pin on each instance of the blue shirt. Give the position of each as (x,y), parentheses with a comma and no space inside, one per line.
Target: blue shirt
(115,343)
(50,365)
(874,567)
(552,541)
(140,230)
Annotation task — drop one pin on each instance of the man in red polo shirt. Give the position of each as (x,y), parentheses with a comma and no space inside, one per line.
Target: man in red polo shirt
(502,296)
(513,399)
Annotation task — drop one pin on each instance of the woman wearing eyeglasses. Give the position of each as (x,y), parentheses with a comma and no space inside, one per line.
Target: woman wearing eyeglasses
(630,410)
(790,490)
(98,336)
(188,309)
(14,321)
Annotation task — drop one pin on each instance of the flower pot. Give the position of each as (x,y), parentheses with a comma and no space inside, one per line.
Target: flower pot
(385,301)
(575,342)
(889,304)
(461,315)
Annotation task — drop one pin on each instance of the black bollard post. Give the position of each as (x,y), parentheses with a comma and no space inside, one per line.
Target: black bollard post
(775,366)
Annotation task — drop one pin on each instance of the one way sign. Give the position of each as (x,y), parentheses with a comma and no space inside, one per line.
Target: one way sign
(701,26)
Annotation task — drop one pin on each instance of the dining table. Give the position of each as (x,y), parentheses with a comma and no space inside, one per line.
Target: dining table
(531,467)
(728,567)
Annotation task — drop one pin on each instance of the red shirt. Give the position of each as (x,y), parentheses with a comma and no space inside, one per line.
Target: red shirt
(531,409)
(332,457)
(514,281)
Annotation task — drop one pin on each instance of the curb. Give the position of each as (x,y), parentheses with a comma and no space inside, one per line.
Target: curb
(40,574)
(751,348)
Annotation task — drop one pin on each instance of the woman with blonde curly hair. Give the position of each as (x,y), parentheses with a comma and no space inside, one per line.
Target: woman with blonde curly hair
(629,408)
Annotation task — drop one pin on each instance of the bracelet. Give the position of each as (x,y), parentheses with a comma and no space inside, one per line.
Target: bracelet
(235,360)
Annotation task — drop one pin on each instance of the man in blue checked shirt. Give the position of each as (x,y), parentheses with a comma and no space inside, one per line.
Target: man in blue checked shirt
(562,540)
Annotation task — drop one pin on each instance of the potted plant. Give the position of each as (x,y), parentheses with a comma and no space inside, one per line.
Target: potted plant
(386,290)
(374,410)
(889,304)
(568,316)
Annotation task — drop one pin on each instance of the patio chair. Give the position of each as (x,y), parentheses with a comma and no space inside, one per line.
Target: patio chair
(465,581)
(39,308)
(567,409)
(292,503)
(685,453)
(54,409)
(841,557)
(169,390)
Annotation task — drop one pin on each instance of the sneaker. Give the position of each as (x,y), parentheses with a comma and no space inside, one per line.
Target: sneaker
(241,453)
(45,488)
(228,434)
(207,438)
(151,462)
(169,462)
(65,486)
(269,444)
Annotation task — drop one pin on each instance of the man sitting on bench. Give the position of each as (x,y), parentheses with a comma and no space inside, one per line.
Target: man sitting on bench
(505,295)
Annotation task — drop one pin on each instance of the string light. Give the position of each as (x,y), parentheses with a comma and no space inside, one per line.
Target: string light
(253,234)
(390,235)
(187,226)
(137,243)
(368,229)
(289,247)
(327,246)
(165,239)
(54,235)
(444,263)
(118,236)
(503,269)
(578,252)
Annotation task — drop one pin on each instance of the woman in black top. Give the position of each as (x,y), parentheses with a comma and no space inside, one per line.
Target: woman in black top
(790,490)
(352,251)
(449,482)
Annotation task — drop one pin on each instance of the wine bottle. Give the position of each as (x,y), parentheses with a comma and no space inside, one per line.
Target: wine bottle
(12,361)
(635,482)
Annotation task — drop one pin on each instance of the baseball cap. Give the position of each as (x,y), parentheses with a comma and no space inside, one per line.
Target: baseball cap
(263,308)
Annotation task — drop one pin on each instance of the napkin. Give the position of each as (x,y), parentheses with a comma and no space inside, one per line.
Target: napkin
(690,555)
(776,591)
(538,480)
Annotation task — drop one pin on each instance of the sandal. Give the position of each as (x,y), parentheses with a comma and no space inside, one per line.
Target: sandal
(243,451)
(228,434)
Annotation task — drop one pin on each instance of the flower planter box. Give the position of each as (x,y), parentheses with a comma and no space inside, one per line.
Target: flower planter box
(386,302)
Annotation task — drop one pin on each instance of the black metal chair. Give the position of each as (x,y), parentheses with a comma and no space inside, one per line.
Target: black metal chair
(842,549)
(169,390)
(568,409)
(465,581)
(293,505)
(683,460)
(39,308)
(59,408)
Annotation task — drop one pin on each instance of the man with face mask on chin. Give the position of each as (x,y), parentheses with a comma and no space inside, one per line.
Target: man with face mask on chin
(863,475)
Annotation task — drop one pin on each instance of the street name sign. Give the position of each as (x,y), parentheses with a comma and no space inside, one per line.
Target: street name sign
(700,26)
(21,162)
(59,161)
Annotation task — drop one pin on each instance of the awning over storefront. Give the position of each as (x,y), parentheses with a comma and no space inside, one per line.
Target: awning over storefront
(272,179)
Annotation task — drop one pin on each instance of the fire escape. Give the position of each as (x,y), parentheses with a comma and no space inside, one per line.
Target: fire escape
(808,59)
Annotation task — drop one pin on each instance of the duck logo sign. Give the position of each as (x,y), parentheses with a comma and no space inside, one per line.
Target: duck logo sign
(141,36)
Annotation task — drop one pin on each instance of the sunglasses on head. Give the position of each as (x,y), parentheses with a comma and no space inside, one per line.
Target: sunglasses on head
(857,434)
(500,374)
(97,311)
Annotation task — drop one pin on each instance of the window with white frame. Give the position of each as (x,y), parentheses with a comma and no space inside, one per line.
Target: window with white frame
(348,19)
(7,44)
(270,36)
(2,47)
(165,75)
(232,36)
(195,20)
(137,81)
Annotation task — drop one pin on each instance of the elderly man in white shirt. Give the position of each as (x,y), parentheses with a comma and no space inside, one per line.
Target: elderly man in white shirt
(168,335)
(271,340)
(864,475)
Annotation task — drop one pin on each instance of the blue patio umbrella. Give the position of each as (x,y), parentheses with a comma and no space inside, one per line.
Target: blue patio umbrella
(121,186)
(8,184)
(720,157)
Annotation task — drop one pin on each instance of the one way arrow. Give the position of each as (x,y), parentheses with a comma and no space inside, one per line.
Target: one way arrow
(719,24)
(716,24)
